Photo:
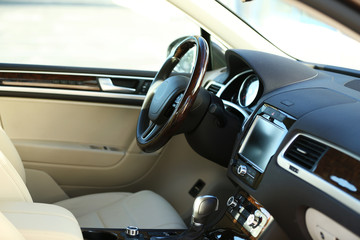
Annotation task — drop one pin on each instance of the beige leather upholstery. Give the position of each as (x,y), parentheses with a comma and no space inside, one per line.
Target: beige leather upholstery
(8,230)
(8,149)
(113,210)
(144,209)
(43,187)
(12,173)
(36,221)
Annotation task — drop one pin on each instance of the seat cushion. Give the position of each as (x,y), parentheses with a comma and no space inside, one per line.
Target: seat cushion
(144,209)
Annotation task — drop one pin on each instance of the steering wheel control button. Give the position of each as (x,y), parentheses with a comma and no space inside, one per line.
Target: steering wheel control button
(132,231)
(177,100)
(231,202)
(241,170)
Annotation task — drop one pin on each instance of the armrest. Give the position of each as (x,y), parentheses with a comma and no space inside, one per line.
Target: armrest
(43,188)
(41,221)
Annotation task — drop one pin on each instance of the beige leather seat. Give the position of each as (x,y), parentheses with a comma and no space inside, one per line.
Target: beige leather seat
(144,209)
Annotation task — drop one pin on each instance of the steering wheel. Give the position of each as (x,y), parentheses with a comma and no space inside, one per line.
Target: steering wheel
(170,98)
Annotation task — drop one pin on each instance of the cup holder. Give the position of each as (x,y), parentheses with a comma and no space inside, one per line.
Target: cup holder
(98,235)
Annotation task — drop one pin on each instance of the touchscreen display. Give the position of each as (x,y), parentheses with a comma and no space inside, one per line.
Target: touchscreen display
(261,142)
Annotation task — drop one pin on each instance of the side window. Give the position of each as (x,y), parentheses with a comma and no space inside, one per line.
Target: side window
(127,34)
(186,64)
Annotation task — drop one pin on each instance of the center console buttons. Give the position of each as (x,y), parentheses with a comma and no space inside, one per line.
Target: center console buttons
(132,231)
(231,202)
(241,170)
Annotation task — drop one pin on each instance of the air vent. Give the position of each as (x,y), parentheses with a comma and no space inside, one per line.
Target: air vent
(214,88)
(305,152)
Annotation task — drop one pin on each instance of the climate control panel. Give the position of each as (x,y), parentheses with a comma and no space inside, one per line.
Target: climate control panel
(247,212)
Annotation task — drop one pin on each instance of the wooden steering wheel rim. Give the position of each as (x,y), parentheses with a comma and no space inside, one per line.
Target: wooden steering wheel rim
(169,129)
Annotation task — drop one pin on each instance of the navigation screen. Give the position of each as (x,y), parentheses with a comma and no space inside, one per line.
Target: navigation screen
(261,142)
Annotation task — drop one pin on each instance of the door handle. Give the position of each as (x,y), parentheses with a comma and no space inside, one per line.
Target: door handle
(107,85)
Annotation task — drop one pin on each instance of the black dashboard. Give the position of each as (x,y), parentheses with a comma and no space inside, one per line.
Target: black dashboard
(298,150)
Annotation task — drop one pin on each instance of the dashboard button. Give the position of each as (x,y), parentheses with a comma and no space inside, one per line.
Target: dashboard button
(132,231)
(231,202)
(253,221)
(241,170)
(251,171)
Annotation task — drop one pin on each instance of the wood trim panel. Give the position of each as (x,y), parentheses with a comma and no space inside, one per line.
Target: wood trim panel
(60,81)
(110,233)
(228,222)
(339,168)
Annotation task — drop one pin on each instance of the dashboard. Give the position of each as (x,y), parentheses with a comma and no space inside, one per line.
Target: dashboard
(293,150)
(298,150)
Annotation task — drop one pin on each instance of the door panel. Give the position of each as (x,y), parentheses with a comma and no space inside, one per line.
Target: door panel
(69,121)
(68,153)
(75,129)
(71,84)
(79,144)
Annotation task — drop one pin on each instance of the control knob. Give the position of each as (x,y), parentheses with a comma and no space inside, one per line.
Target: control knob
(231,202)
(241,170)
(253,221)
(132,231)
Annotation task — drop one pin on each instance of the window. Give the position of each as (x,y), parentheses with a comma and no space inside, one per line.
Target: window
(87,33)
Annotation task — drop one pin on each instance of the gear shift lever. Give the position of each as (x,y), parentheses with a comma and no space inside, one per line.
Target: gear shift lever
(203,207)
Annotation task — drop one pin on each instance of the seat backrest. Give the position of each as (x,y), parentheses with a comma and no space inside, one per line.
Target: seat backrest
(9,150)
(12,172)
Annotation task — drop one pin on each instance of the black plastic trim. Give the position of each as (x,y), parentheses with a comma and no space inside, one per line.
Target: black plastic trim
(341,70)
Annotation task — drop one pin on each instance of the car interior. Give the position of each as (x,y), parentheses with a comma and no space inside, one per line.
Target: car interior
(252,145)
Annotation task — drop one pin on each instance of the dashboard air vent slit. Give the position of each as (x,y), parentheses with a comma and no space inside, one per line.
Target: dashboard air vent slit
(214,88)
(305,152)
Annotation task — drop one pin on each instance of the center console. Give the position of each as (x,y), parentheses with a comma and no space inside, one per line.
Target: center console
(262,138)
(244,217)
(131,233)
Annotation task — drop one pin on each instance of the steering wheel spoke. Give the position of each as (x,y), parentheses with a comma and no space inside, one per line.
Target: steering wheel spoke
(151,131)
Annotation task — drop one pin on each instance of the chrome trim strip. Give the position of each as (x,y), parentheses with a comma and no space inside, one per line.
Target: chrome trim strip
(232,80)
(72,92)
(78,74)
(316,181)
(107,85)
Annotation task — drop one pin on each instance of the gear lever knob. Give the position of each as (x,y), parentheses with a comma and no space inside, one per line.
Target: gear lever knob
(203,207)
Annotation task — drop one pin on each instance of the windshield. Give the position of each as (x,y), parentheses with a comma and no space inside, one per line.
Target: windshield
(298,33)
